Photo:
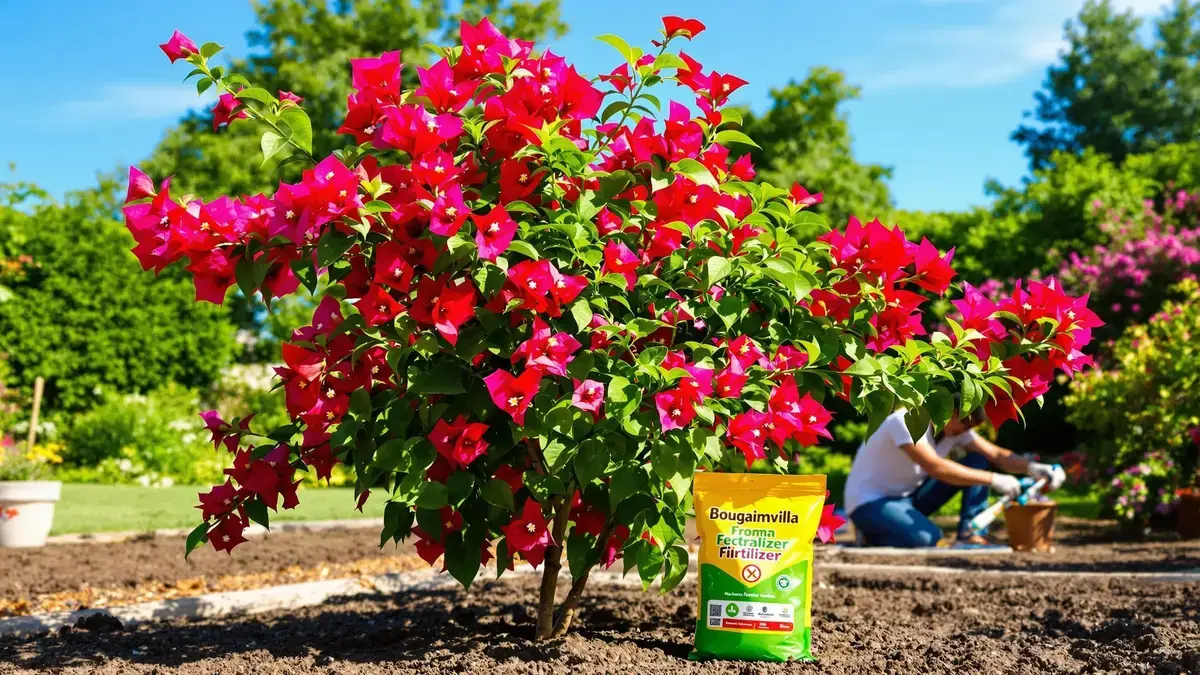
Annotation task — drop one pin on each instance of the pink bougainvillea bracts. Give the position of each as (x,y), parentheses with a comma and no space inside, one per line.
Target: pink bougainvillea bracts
(548,306)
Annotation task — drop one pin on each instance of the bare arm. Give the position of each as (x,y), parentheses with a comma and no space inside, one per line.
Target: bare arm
(945,470)
(1002,458)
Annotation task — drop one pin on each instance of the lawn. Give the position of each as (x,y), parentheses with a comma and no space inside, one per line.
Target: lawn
(108,508)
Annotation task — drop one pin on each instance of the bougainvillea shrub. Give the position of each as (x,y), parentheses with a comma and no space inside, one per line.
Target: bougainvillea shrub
(553,299)
(1130,276)
(1146,402)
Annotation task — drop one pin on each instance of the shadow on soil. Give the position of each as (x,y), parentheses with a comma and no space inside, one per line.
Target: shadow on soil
(397,628)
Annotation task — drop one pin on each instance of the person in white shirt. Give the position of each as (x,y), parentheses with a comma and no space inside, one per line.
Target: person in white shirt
(897,482)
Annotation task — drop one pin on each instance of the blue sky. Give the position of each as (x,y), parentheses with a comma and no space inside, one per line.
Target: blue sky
(944,81)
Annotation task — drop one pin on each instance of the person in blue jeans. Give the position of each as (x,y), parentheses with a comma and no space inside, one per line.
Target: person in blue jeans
(897,482)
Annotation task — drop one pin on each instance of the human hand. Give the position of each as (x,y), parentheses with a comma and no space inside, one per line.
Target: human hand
(1053,473)
(1006,485)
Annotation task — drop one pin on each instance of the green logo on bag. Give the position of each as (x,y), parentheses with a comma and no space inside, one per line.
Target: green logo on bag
(784,582)
(731,609)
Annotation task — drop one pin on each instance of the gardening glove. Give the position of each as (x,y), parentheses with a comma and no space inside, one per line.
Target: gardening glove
(1054,474)
(1006,485)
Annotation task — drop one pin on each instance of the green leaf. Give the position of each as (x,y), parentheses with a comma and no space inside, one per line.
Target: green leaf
(716,268)
(462,555)
(524,248)
(332,246)
(591,461)
(256,94)
(732,136)
(623,398)
(271,144)
(677,566)
(459,486)
(917,422)
(297,121)
(196,538)
(940,404)
(579,554)
(863,367)
(433,495)
(582,313)
(650,562)
(696,171)
(498,492)
(202,85)
(397,522)
(620,45)
(210,49)
(628,480)
(256,510)
(444,378)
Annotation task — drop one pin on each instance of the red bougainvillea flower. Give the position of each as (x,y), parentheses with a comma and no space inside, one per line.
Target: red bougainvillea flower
(178,47)
(227,533)
(218,501)
(378,306)
(381,72)
(618,259)
(510,475)
(289,96)
(744,352)
(747,432)
(803,198)
(454,306)
(933,270)
(829,524)
(588,396)
(220,430)
(546,352)
(449,211)
(226,111)
(493,232)
(674,26)
(391,266)
(676,409)
(527,533)
(459,442)
(730,383)
(513,394)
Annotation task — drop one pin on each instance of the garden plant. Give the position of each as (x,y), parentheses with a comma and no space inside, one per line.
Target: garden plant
(553,299)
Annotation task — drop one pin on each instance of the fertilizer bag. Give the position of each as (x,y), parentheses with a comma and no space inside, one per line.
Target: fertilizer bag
(756,552)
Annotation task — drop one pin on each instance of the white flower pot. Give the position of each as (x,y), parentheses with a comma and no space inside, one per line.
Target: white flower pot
(27,512)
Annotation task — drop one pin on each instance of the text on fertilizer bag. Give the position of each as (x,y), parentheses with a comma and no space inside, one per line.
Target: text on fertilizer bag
(751,543)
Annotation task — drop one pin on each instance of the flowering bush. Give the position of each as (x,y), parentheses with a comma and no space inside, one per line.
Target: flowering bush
(1147,401)
(17,463)
(149,439)
(548,308)
(1143,491)
(1130,277)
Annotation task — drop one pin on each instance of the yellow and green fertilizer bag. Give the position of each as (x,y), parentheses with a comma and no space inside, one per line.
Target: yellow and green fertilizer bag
(756,553)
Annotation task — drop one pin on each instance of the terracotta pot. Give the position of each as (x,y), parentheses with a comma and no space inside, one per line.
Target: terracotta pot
(1031,526)
(27,512)
(1187,515)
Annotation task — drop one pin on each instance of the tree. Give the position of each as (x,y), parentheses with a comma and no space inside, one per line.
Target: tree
(805,138)
(537,318)
(86,317)
(1112,92)
(307,45)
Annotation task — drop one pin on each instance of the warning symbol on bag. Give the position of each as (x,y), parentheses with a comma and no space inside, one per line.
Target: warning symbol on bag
(751,573)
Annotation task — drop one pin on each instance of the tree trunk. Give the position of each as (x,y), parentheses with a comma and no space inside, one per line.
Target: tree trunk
(571,605)
(553,562)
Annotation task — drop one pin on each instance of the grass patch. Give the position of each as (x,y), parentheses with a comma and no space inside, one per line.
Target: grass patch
(109,508)
(1074,501)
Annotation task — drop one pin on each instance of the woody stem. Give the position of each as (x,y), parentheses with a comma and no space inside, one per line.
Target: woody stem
(570,606)
(545,619)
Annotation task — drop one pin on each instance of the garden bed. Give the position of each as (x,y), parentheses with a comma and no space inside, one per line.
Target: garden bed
(862,622)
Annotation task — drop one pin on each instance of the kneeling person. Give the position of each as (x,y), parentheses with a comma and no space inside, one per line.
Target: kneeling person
(897,482)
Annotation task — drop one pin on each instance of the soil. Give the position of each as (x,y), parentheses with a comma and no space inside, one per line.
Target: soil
(1080,546)
(862,622)
(73,567)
